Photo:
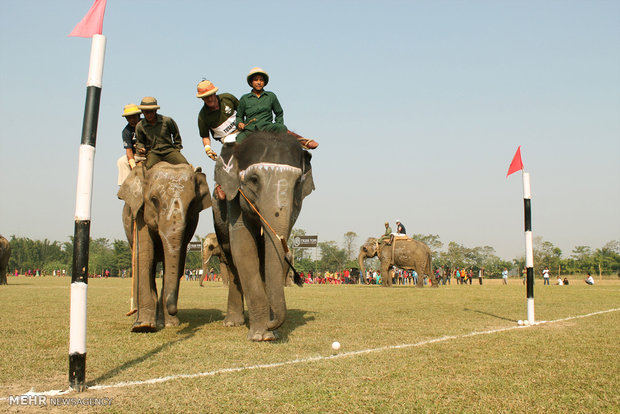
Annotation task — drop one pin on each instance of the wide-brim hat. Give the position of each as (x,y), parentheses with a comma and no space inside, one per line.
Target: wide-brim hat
(205,88)
(256,71)
(131,109)
(148,103)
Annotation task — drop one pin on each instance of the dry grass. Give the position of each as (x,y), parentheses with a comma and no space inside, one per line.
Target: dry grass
(569,366)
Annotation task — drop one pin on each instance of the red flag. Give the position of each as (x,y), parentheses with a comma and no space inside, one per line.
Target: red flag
(516,163)
(92,23)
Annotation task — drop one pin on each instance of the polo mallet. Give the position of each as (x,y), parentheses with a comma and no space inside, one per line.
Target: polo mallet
(133,307)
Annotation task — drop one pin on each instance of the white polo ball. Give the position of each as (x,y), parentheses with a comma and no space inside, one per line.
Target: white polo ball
(336,346)
(519,322)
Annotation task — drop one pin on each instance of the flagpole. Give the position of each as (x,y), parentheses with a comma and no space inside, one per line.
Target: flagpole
(83,202)
(529,254)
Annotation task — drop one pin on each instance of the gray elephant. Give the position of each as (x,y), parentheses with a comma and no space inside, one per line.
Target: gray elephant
(210,248)
(406,254)
(5,253)
(165,202)
(268,174)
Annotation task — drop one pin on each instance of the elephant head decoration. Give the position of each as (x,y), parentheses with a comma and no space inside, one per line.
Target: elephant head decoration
(162,204)
(407,254)
(265,178)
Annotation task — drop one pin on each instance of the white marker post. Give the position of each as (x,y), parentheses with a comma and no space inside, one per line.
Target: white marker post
(83,202)
(529,254)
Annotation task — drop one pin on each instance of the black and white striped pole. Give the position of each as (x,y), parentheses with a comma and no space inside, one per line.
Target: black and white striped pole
(529,253)
(83,202)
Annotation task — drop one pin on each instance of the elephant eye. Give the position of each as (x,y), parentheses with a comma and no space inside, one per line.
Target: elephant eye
(253,179)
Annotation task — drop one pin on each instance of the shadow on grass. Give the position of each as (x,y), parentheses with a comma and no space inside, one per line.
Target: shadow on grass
(194,318)
(294,319)
(490,314)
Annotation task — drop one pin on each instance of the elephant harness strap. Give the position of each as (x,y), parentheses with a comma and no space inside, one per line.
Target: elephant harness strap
(296,278)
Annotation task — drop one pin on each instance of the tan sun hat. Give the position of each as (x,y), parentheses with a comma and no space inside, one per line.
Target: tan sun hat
(255,71)
(205,88)
(131,109)
(148,102)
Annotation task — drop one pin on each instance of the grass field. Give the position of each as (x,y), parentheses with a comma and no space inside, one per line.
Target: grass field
(565,365)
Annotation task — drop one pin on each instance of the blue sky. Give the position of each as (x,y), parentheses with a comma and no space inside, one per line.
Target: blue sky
(418,107)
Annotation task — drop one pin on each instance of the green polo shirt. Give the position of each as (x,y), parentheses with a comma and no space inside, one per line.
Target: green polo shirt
(160,138)
(263,109)
(208,120)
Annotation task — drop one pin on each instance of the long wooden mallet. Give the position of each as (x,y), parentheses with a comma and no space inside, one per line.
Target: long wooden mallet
(133,308)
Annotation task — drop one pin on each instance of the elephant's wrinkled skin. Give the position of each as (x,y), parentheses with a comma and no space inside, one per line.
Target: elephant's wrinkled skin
(210,248)
(5,253)
(406,254)
(165,202)
(274,172)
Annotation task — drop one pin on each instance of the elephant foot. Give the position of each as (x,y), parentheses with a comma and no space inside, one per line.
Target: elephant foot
(233,320)
(262,336)
(143,327)
(172,321)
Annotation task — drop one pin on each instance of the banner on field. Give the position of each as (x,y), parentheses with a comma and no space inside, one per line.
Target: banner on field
(194,246)
(305,241)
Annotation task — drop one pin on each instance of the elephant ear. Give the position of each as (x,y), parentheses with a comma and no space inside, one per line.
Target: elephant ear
(202,190)
(307,182)
(227,175)
(132,190)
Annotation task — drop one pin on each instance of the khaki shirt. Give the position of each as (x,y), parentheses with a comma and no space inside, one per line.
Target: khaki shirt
(160,138)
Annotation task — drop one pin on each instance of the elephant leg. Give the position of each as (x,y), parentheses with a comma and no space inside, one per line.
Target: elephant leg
(234,311)
(385,273)
(244,251)
(224,273)
(147,290)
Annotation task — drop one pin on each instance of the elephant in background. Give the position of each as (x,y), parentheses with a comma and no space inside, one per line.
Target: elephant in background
(164,202)
(210,247)
(406,254)
(271,174)
(5,253)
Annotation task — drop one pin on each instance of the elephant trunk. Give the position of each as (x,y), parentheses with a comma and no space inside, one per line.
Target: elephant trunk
(360,261)
(174,263)
(275,273)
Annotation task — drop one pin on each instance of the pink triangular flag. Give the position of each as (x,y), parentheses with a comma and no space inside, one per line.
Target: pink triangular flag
(516,163)
(92,23)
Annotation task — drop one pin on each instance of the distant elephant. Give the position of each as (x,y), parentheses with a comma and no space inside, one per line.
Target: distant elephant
(5,253)
(210,247)
(165,202)
(406,254)
(275,175)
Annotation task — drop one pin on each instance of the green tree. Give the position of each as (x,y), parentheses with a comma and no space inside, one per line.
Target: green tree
(349,242)
(431,240)
(332,258)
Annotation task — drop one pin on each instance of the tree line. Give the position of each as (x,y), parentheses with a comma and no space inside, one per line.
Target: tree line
(115,256)
(583,259)
(47,256)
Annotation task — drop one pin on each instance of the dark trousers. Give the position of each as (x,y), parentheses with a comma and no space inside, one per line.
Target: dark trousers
(173,157)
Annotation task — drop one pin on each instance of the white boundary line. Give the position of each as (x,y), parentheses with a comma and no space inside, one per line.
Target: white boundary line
(309,359)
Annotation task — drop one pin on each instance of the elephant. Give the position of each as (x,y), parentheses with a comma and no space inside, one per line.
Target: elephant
(406,254)
(210,247)
(165,202)
(265,178)
(5,253)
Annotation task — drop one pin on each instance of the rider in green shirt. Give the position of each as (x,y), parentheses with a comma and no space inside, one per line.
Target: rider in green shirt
(258,108)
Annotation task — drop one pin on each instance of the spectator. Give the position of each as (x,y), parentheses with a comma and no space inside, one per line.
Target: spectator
(565,281)
(559,282)
(480,274)
(589,280)
(505,276)
(545,275)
